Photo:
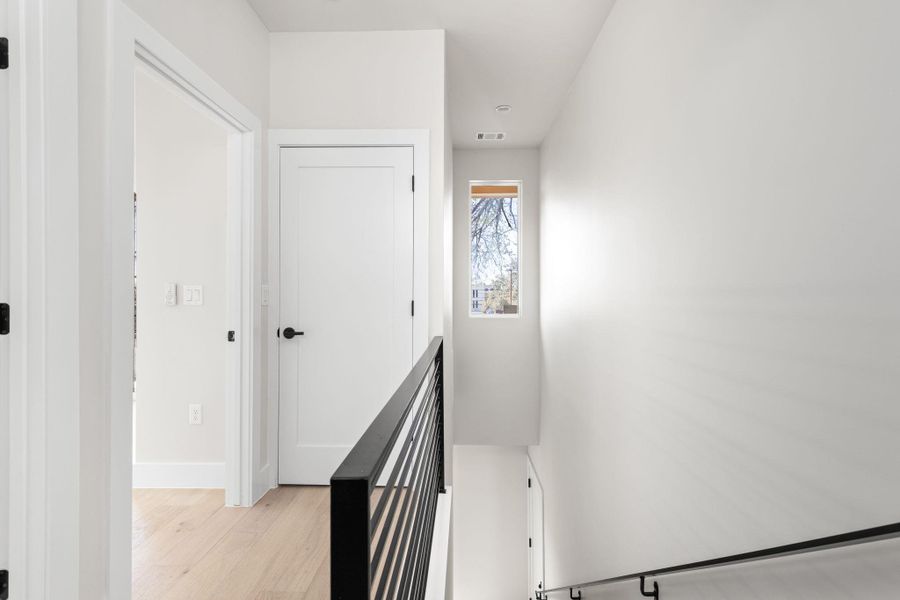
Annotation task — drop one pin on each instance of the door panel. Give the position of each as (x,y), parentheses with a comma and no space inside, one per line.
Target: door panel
(535,533)
(4,297)
(346,283)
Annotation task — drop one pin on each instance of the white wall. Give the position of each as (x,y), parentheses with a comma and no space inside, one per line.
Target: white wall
(369,80)
(181,183)
(496,360)
(224,37)
(490,523)
(720,297)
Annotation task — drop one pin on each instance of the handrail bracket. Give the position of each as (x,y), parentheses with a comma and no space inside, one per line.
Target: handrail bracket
(646,594)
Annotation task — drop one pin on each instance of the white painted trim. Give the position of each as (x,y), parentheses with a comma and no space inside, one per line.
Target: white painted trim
(436,584)
(419,140)
(44,437)
(521,247)
(133,39)
(5,264)
(531,473)
(244,151)
(179,475)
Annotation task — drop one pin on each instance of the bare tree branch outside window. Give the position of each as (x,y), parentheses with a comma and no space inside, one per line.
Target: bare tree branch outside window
(495,251)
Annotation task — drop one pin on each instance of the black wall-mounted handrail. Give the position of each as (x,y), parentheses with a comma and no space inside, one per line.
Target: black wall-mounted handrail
(852,538)
(382,527)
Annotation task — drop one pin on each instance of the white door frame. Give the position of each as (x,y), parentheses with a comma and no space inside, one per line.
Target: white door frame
(44,276)
(418,140)
(532,513)
(135,40)
(5,264)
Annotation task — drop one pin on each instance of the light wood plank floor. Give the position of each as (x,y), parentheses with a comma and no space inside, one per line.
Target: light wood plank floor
(187,545)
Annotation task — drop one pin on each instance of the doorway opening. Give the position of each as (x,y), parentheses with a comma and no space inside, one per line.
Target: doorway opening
(535,533)
(182,353)
(186,288)
(180,289)
(246,477)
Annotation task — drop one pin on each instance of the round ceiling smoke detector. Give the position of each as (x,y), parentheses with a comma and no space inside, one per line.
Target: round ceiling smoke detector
(503,108)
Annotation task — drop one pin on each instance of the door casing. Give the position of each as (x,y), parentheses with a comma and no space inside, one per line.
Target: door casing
(418,140)
(535,504)
(45,435)
(44,440)
(132,39)
(4,297)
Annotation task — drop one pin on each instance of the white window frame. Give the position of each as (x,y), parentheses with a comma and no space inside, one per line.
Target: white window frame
(521,247)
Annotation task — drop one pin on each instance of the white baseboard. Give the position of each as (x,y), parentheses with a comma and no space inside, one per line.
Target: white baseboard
(178,475)
(264,481)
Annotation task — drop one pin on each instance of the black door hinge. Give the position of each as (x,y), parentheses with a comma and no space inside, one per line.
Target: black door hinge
(4,584)
(529,482)
(412,308)
(413,183)
(4,319)
(529,542)
(230,336)
(4,53)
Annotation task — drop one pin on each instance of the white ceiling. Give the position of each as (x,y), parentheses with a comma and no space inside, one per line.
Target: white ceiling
(519,52)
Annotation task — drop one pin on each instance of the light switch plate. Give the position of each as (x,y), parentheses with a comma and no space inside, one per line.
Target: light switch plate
(192,295)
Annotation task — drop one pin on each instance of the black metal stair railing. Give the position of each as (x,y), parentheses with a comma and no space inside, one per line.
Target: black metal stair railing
(382,520)
(841,540)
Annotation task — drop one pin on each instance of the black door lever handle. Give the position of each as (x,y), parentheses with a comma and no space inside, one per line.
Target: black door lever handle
(289,333)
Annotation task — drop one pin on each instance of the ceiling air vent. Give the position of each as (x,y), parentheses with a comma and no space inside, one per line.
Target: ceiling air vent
(483,136)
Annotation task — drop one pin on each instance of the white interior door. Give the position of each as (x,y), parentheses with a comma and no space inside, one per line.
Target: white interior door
(535,533)
(4,298)
(347,284)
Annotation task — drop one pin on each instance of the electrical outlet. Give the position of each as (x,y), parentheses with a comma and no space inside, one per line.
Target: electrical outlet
(171,294)
(195,416)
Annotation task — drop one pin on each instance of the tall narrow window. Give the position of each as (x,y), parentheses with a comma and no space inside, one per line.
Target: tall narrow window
(495,239)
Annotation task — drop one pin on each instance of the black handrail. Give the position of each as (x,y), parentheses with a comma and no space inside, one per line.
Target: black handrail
(852,538)
(382,551)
